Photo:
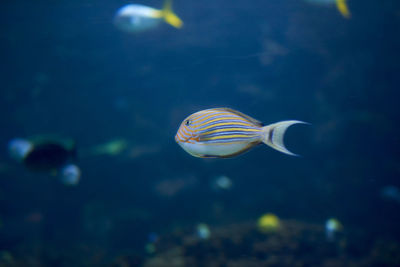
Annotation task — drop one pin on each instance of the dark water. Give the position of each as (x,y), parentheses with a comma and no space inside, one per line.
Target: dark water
(67,70)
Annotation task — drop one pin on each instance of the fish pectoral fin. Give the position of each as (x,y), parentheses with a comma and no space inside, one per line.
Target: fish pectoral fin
(202,138)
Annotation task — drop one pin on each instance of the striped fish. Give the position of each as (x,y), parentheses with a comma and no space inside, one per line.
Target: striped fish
(224,133)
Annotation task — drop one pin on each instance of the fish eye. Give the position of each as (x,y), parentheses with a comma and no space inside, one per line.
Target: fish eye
(188,122)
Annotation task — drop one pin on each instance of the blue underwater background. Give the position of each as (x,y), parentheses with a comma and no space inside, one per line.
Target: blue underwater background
(67,71)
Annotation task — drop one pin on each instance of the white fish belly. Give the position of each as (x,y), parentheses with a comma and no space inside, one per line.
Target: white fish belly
(135,18)
(136,10)
(216,150)
(136,23)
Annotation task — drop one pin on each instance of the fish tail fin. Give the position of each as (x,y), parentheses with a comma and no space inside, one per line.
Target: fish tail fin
(274,133)
(343,8)
(169,16)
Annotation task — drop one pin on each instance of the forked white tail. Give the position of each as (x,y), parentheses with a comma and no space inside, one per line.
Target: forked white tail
(274,133)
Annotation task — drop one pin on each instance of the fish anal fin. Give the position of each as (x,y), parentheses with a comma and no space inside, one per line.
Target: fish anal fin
(208,156)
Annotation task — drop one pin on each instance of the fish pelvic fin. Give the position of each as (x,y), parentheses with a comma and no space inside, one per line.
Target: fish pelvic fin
(169,16)
(341,5)
(274,133)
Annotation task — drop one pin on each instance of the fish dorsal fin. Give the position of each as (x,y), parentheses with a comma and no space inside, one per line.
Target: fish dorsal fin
(244,116)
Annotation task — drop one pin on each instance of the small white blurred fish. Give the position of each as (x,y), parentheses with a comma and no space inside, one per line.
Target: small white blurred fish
(203,231)
(332,226)
(221,183)
(341,5)
(19,148)
(134,18)
(70,174)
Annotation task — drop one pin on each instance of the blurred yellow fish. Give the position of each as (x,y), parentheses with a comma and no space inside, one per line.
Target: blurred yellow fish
(268,223)
(341,5)
(343,8)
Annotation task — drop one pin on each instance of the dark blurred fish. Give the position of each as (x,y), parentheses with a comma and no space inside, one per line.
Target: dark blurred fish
(224,132)
(48,155)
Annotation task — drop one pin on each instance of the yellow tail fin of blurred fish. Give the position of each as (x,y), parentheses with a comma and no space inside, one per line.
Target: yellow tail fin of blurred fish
(169,16)
(343,8)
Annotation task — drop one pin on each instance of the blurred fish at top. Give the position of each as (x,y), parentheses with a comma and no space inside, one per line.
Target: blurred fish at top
(341,5)
(224,133)
(54,156)
(138,18)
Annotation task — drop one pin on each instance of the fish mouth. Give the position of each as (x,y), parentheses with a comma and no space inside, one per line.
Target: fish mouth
(190,139)
(179,140)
